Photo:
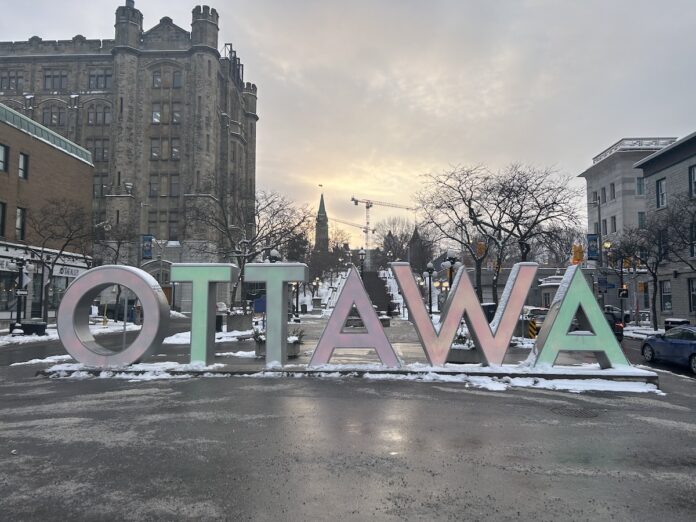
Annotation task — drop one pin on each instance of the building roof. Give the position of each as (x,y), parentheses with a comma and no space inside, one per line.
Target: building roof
(628,145)
(674,145)
(25,124)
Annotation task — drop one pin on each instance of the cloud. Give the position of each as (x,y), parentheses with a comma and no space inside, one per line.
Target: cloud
(363,96)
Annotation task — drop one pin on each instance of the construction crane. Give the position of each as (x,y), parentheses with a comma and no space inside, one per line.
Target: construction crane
(356,225)
(369,203)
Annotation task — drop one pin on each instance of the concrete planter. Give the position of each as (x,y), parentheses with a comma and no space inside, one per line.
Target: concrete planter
(239,322)
(293,350)
(458,356)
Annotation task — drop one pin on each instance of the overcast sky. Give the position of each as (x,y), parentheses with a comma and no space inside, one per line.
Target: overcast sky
(365,95)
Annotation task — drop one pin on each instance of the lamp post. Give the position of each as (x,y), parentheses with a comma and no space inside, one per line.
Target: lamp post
(449,265)
(429,270)
(274,256)
(362,262)
(20,263)
(297,299)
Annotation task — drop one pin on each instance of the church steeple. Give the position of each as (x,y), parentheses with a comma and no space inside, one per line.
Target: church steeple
(321,232)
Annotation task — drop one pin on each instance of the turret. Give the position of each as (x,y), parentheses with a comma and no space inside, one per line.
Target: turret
(204,26)
(249,94)
(129,25)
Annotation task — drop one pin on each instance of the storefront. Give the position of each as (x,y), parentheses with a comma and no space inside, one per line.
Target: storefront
(34,277)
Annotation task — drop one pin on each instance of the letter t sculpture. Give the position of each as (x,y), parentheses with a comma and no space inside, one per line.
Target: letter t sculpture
(276,276)
(204,277)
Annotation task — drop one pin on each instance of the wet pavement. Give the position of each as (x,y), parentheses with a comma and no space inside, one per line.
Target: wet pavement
(311,449)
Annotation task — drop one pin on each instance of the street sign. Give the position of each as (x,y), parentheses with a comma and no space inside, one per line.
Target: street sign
(623,293)
(21,293)
(602,284)
(611,285)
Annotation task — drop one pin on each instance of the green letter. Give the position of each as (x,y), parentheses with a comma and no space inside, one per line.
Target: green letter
(204,277)
(276,276)
(555,337)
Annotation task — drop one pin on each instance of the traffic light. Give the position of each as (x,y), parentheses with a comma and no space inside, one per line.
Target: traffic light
(623,292)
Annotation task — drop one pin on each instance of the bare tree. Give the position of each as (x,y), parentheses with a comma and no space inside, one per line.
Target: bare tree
(556,242)
(275,222)
(650,245)
(117,248)
(59,225)
(449,200)
(532,201)
(682,229)
(393,235)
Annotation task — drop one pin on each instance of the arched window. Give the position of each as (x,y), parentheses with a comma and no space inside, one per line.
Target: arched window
(98,114)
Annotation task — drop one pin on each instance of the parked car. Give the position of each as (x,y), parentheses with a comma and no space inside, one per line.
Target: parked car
(617,312)
(677,345)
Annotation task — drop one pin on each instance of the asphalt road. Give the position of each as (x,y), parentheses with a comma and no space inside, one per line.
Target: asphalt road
(354,449)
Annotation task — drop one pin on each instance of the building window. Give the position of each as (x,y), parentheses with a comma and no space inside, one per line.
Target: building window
(663,243)
(176,112)
(176,151)
(12,81)
(666,296)
(20,224)
(596,228)
(604,226)
(99,115)
(156,113)
(53,116)
(154,148)
(176,80)
(23,170)
(641,220)
(100,79)
(692,181)
(154,185)
(661,192)
(99,148)
(692,295)
(173,232)
(4,157)
(157,79)
(55,80)
(640,186)
(594,193)
(3,209)
(692,239)
(604,195)
(612,191)
(613,223)
(174,185)
(97,187)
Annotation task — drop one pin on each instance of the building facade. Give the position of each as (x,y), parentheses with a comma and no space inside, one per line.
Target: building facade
(37,165)
(669,174)
(616,201)
(170,123)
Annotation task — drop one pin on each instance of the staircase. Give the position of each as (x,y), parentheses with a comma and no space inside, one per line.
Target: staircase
(377,291)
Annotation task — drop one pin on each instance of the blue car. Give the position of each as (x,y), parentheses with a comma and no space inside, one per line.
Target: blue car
(677,345)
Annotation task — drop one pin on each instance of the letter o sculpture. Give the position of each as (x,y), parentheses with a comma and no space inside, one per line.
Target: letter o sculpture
(73,315)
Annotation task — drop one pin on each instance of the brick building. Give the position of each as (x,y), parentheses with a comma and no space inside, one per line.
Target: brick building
(170,123)
(36,165)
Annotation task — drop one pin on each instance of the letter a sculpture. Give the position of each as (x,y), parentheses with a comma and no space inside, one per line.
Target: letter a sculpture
(333,337)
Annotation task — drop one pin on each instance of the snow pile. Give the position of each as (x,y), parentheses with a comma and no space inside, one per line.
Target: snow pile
(52,359)
(177,315)
(220,337)
(251,354)
(637,332)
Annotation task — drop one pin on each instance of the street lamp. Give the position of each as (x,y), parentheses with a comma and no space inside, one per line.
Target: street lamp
(450,265)
(274,256)
(362,262)
(296,284)
(429,269)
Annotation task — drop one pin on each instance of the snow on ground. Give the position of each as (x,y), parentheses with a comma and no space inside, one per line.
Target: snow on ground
(220,337)
(52,333)
(639,332)
(251,354)
(158,371)
(52,359)
(178,315)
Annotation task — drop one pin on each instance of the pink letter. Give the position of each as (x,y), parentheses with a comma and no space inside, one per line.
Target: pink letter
(492,344)
(353,292)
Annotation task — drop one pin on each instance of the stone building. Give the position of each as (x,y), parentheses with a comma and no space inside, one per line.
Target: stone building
(169,120)
(37,165)
(321,230)
(616,200)
(671,173)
